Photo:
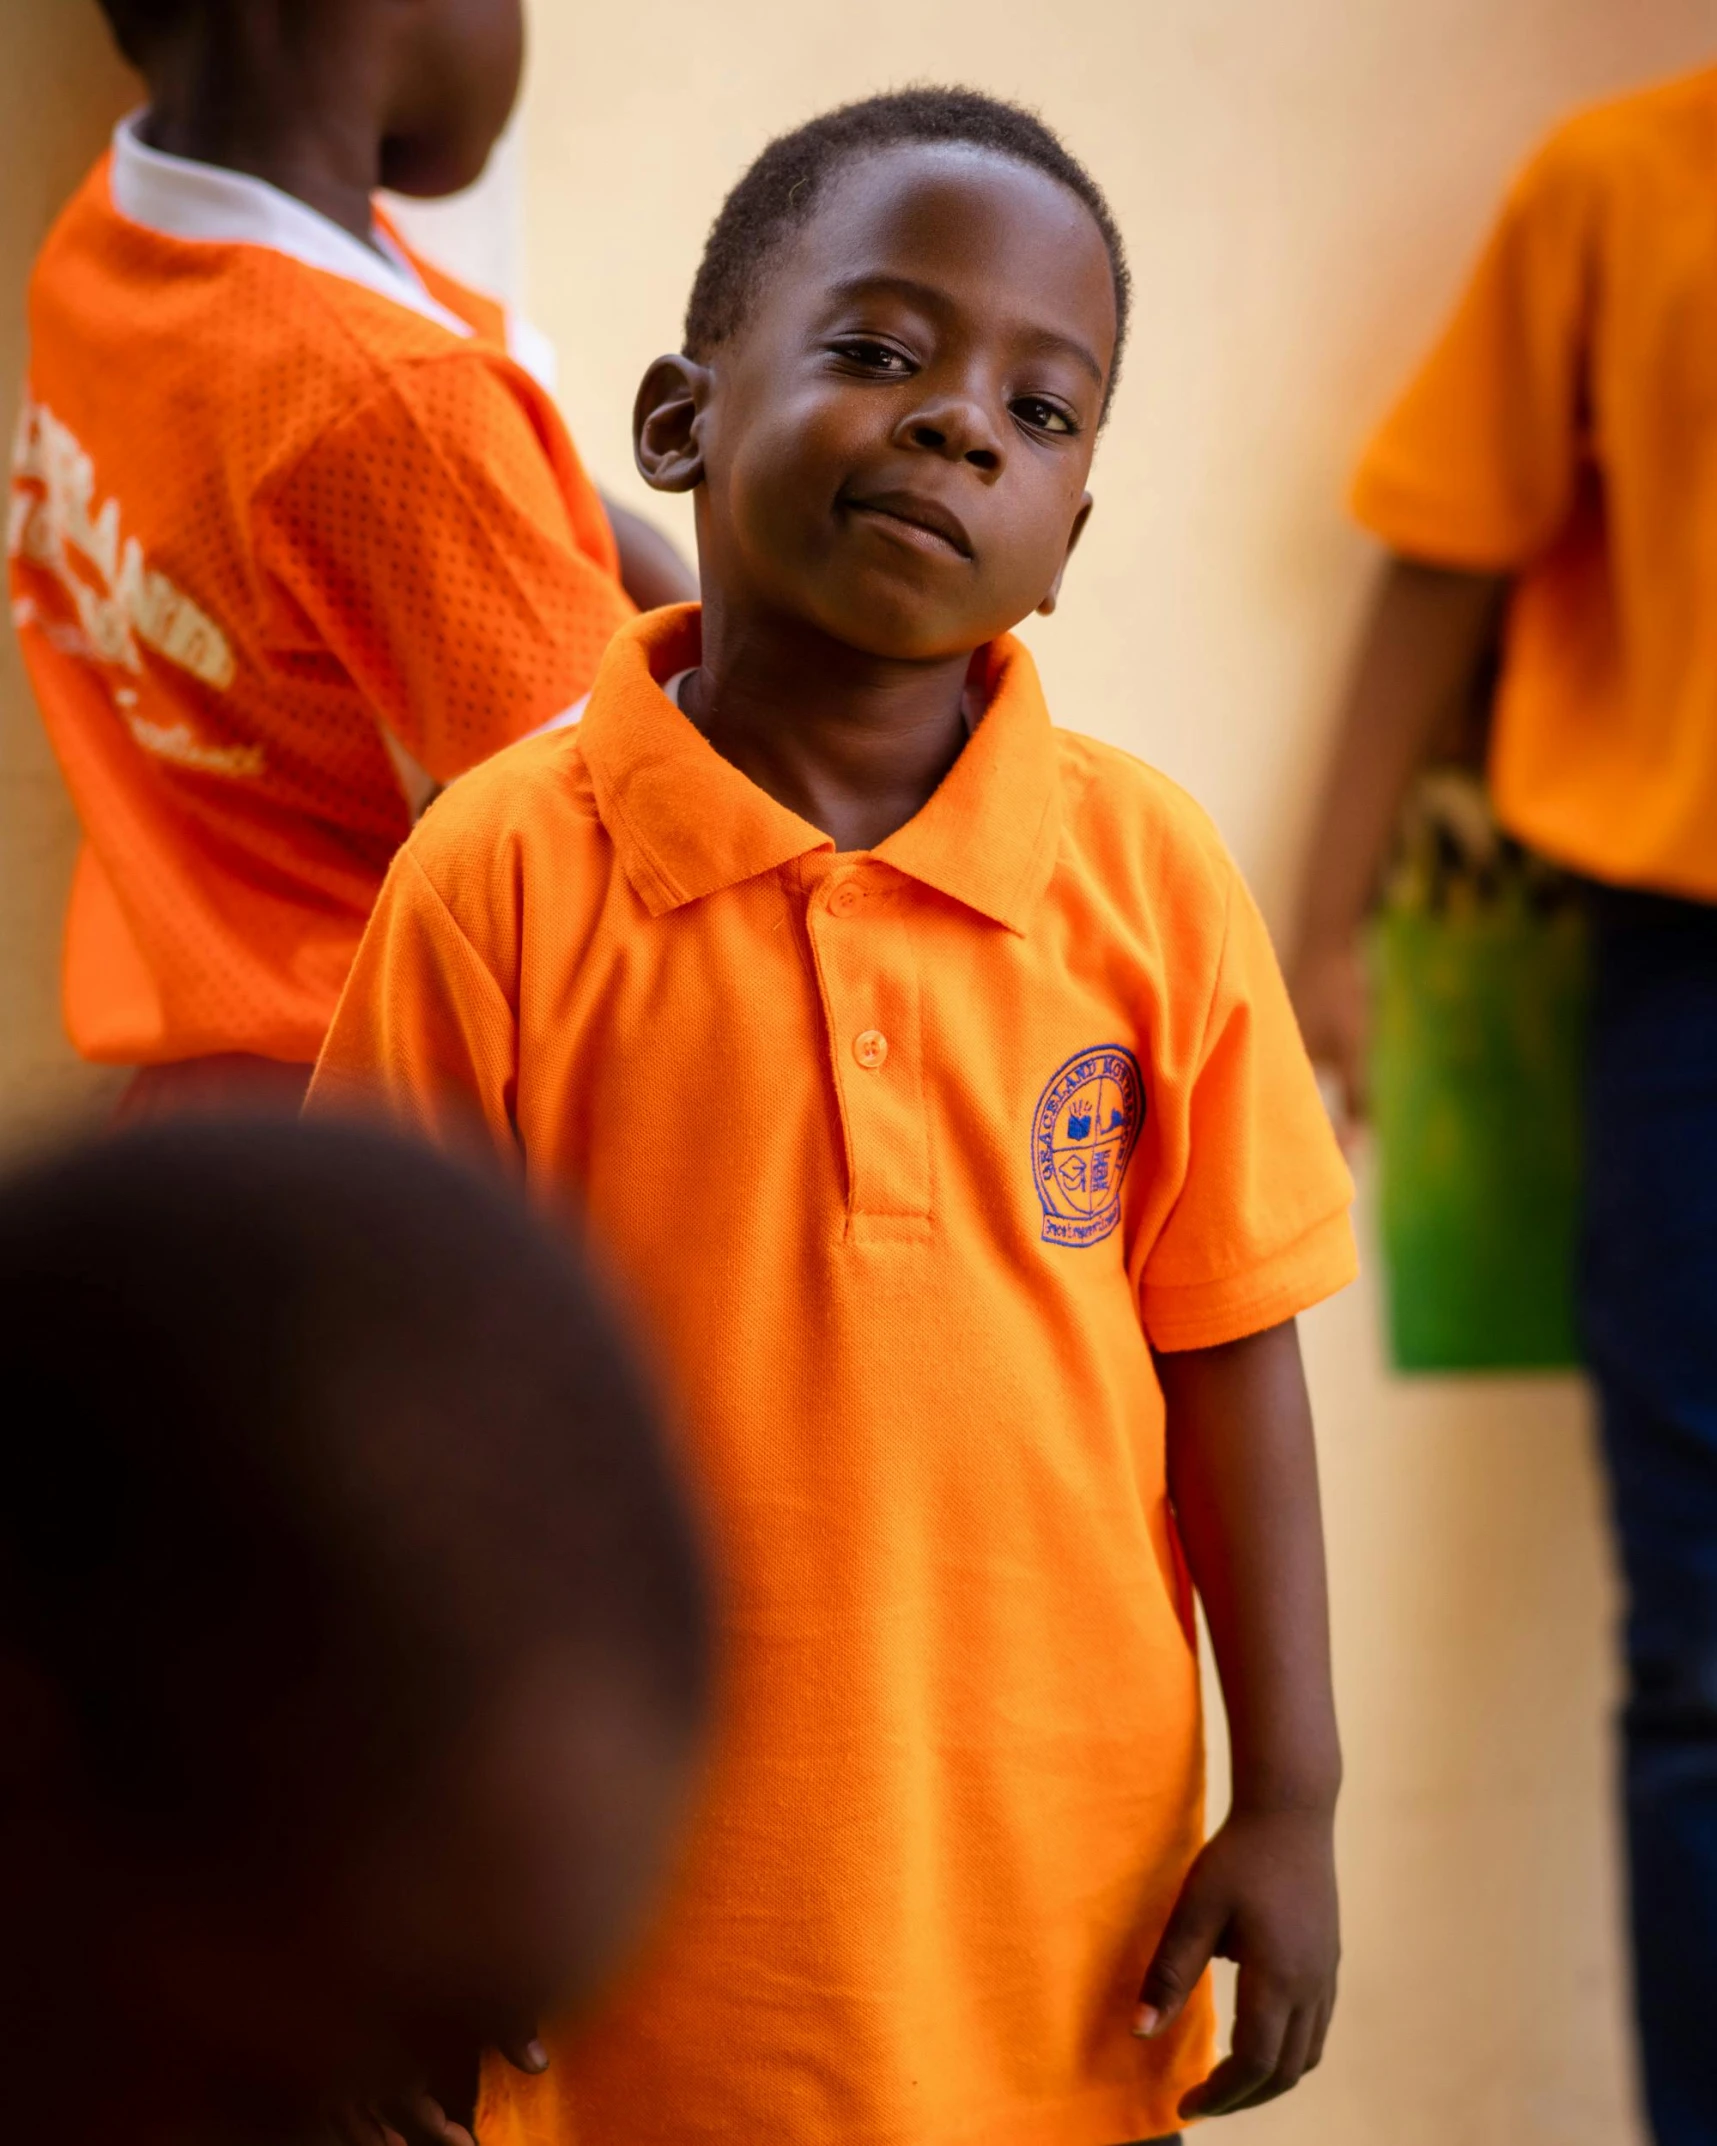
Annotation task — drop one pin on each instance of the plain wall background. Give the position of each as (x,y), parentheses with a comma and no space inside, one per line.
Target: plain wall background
(60,91)
(1301,186)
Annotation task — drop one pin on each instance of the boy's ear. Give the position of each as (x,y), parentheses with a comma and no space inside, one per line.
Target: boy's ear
(1079,520)
(665,424)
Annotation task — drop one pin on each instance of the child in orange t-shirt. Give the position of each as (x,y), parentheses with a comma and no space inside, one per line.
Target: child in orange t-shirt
(927,1075)
(1551,473)
(297,533)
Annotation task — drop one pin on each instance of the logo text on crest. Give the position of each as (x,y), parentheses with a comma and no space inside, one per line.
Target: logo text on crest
(1083,1135)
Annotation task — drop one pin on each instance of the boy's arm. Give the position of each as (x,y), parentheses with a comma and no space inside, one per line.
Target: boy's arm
(1477,467)
(1257,1232)
(1430,630)
(1242,1473)
(651,569)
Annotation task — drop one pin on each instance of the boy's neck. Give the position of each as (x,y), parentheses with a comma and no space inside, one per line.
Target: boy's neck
(856,744)
(259,116)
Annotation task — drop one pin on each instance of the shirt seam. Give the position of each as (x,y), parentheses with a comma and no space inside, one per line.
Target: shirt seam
(409,856)
(1255,1315)
(1221,965)
(1240,1322)
(266,498)
(385,375)
(458,482)
(1264,1263)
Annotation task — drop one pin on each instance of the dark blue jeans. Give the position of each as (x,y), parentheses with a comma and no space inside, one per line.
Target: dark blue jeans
(1649,1309)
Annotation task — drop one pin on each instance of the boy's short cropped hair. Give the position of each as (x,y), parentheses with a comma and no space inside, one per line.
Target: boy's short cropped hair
(777,194)
(309,1435)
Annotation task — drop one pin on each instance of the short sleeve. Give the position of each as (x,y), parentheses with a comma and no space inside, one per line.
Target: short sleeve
(1478,464)
(424,1035)
(1260,1230)
(452,560)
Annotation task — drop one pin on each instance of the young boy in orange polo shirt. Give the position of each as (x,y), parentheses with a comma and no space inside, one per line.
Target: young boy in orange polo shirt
(296,533)
(927,1074)
(1556,459)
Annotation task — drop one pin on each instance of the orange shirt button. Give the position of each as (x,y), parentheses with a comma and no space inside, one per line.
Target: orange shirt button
(871,1049)
(845,900)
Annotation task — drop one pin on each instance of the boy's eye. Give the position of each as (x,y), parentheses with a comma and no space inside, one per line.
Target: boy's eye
(874,357)
(1044,416)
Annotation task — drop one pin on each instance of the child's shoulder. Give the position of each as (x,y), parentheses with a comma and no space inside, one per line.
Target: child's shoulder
(525,815)
(528,819)
(1640,137)
(290,341)
(1137,828)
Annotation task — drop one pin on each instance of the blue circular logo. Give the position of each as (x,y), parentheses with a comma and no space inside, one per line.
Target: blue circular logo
(1083,1136)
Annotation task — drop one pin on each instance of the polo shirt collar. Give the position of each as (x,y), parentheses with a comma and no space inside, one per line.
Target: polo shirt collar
(180,198)
(686,824)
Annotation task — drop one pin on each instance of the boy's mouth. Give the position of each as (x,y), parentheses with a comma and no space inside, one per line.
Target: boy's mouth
(916,516)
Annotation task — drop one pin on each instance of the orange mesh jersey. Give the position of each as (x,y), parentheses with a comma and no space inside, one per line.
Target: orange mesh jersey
(294,537)
(1564,430)
(909,1159)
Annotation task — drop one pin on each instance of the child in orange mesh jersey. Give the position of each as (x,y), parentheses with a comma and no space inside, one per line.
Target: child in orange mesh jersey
(297,533)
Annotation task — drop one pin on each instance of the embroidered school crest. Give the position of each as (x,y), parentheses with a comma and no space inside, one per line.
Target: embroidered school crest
(1083,1136)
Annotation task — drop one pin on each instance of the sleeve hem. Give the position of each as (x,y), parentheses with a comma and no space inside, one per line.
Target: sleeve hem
(1204,1315)
(1437,534)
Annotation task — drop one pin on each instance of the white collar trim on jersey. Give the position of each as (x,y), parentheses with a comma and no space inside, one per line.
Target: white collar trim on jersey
(207,203)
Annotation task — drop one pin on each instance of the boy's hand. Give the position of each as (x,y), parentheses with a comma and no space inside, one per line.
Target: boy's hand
(415,2120)
(1331,992)
(420,2119)
(1262,1893)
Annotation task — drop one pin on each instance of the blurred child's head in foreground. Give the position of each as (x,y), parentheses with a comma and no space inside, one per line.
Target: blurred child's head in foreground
(437,79)
(900,347)
(352,1631)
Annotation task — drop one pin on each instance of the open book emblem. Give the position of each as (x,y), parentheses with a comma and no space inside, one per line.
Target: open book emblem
(1086,1126)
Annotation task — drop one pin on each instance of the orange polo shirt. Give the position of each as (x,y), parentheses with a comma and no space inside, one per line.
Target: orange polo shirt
(1564,431)
(908,1160)
(294,536)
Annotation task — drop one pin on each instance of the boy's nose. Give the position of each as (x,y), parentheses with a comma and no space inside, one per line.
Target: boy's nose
(957,428)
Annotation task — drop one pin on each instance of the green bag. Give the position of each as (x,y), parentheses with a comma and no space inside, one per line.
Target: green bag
(1480,988)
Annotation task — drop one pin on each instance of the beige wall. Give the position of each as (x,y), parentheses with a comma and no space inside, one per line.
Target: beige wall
(60,91)
(1300,184)
(1300,181)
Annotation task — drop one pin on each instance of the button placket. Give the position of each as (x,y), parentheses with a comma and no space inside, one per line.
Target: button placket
(867,972)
